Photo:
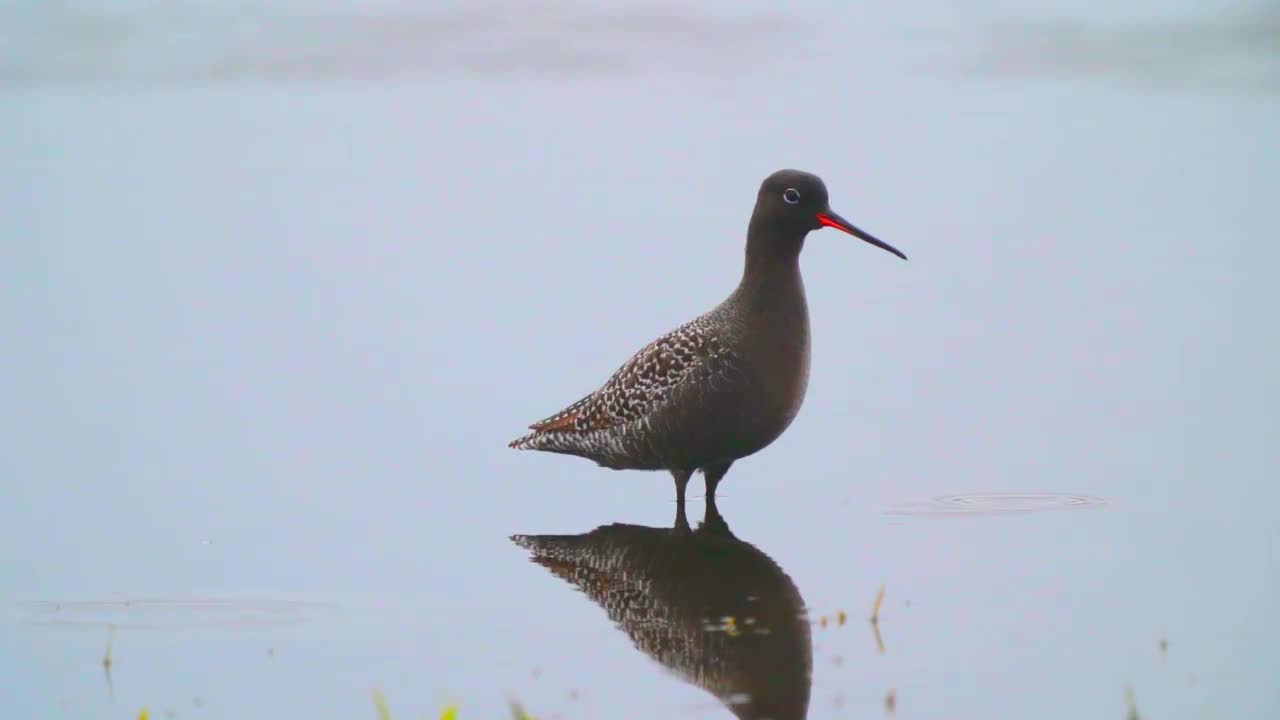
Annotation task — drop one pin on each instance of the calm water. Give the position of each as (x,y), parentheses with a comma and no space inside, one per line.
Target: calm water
(278,286)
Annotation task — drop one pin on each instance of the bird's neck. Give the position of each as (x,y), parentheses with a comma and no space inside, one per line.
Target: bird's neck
(773,255)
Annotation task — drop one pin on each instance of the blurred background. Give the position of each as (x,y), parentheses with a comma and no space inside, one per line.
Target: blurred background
(279,280)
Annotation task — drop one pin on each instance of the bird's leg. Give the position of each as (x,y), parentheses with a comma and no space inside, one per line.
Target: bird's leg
(712,521)
(682,481)
(713,474)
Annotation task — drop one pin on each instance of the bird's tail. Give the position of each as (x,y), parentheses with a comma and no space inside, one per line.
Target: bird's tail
(588,445)
(549,441)
(528,442)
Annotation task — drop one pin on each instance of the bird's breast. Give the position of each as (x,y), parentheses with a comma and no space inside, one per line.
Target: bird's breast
(777,356)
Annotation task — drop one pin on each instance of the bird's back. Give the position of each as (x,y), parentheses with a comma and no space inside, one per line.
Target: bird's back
(618,424)
(713,390)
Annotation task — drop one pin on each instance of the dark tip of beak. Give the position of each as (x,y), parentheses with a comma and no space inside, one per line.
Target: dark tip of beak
(832,220)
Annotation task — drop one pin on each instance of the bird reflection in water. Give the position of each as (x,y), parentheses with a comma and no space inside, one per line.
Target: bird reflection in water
(714,610)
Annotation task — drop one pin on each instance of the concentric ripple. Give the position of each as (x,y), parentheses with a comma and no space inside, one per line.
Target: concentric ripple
(995,503)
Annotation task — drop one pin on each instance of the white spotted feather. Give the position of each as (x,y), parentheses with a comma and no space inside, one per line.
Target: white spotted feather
(597,423)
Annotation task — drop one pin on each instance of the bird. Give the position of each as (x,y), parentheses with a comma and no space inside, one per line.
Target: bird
(726,384)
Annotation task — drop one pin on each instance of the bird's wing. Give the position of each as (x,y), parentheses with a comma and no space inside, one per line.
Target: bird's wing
(642,383)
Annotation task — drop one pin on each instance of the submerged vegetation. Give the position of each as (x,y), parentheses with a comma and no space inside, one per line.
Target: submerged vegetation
(449,713)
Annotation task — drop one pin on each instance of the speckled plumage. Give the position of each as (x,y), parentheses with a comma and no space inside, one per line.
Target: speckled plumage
(725,385)
(671,591)
(613,424)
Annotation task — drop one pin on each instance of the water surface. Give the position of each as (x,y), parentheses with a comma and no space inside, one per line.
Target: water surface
(280,284)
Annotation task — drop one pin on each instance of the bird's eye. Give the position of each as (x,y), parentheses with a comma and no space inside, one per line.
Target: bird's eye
(791,195)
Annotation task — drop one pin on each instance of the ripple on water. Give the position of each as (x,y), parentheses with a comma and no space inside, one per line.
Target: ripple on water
(995,503)
(167,613)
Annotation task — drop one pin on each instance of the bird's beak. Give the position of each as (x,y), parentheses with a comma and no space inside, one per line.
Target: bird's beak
(830,219)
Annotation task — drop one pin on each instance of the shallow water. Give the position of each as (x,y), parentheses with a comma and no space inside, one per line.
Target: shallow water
(279,286)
